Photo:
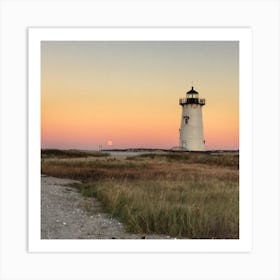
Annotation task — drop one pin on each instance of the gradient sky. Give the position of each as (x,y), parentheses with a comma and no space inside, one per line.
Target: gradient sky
(126,94)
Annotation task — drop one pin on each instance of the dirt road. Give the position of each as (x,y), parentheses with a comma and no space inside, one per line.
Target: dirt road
(65,214)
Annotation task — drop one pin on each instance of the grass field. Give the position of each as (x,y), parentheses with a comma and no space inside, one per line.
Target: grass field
(184,195)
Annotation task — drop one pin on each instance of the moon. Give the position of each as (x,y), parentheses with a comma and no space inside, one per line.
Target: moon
(109,142)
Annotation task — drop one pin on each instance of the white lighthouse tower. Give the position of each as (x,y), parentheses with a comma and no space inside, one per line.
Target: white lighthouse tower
(191,131)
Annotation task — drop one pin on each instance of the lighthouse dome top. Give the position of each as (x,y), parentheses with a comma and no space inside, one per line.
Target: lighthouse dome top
(192,91)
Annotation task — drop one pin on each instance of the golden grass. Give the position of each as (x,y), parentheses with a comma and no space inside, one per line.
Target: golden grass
(181,195)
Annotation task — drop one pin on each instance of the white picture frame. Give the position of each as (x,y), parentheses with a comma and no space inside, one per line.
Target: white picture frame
(242,36)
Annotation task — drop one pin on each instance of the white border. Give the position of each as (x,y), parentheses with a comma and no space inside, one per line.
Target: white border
(243,35)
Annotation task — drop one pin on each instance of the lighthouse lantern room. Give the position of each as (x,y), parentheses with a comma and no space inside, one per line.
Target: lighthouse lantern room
(191,131)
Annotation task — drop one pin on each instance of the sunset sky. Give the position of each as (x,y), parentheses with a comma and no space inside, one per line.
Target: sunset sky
(126,94)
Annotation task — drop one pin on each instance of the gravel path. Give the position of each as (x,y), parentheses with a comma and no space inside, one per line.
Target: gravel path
(65,214)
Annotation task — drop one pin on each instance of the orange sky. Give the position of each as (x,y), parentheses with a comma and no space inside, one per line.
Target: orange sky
(125,94)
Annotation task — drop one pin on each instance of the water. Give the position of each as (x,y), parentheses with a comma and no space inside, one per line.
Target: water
(127,153)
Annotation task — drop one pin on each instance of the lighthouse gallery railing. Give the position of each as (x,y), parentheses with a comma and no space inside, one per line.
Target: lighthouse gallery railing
(183,101)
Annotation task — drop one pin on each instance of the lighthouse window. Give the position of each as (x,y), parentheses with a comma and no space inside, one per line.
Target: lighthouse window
(186,119)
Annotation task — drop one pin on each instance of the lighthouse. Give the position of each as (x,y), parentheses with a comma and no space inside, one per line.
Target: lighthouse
(191,131)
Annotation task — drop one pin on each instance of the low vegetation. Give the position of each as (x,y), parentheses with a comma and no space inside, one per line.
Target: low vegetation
(184,195)
(55,153)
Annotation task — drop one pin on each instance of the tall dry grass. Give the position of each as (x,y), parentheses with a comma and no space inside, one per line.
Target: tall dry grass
(181,195)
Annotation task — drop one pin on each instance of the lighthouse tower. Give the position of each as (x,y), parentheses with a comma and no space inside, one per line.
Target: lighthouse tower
(191,131)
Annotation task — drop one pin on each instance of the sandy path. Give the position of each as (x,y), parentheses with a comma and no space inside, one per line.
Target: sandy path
(65,214)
